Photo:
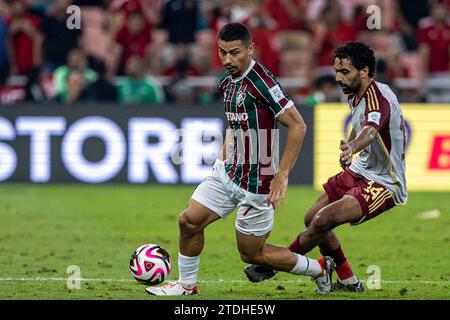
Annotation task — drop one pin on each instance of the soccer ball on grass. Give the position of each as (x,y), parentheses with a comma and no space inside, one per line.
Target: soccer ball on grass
(150,264)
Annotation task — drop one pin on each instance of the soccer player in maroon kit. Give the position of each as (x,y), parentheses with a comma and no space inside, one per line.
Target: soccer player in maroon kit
(371,183)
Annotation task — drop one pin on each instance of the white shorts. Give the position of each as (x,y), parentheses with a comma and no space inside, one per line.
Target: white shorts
(218,193)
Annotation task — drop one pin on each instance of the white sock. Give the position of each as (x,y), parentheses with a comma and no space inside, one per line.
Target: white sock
(188,269)
(306,266)
(352,280)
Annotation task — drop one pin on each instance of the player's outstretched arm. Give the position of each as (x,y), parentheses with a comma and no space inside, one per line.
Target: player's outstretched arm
(364,138)
(292,119)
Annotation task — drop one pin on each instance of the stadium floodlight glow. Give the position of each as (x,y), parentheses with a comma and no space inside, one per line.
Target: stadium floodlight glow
(8,157)
(115,151)
(141,153)
(195,150)
(40,130)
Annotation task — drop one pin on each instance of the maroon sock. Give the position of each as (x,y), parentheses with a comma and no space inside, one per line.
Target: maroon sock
(344,271)
(337,255)
(296,247)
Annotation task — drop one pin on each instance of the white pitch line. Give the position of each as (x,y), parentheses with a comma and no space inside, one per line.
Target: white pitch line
(64,279)
(12,279)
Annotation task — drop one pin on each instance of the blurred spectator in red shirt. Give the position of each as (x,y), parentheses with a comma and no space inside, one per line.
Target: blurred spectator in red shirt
(25,38)
(133,38)
(330,32)
(288,14)
(434,40)
(150,9)
(267,41)
(120,14)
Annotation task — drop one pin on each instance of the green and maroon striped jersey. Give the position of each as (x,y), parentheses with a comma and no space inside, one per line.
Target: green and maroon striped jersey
(252,103)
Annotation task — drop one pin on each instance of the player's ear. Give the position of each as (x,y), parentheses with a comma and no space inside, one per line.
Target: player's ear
(251,48)
(364,72)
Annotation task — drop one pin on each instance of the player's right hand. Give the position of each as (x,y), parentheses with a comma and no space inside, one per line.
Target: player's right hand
(278,187)
(342,163)
(345,158)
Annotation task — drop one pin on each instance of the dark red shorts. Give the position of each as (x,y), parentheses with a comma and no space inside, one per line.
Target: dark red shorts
(373,197)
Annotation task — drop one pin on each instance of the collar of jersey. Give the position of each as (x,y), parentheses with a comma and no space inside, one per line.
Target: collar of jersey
(364,96)
(252,63)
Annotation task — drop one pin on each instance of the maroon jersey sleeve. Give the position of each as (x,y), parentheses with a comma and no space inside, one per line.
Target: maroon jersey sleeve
(377,110)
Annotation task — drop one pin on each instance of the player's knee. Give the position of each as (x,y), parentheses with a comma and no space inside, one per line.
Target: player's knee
(322,222)
(308,217)
(186,225)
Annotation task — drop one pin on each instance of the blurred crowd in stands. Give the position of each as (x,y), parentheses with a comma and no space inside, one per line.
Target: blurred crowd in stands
(162,51)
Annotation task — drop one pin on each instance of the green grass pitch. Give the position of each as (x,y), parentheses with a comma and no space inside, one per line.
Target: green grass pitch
(45,229)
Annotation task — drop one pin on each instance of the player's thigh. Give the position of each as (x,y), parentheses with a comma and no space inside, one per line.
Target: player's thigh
(320,203)
(213,194)
(209,202)
(197,216)
(345,210)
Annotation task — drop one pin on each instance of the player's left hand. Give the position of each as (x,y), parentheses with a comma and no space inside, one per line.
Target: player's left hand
(347,153)
(278,188)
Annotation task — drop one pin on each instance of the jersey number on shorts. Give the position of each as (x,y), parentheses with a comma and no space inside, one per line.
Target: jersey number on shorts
(371,190)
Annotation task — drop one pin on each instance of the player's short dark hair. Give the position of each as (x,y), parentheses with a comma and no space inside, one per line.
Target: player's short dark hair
(359,54)
(235,31)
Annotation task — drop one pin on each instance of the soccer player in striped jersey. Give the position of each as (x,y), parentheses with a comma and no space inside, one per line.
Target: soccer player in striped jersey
(371,183)
(246,175)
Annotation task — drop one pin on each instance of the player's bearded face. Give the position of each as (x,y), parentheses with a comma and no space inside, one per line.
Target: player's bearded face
(347,76)
(352,87)
(235,56)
